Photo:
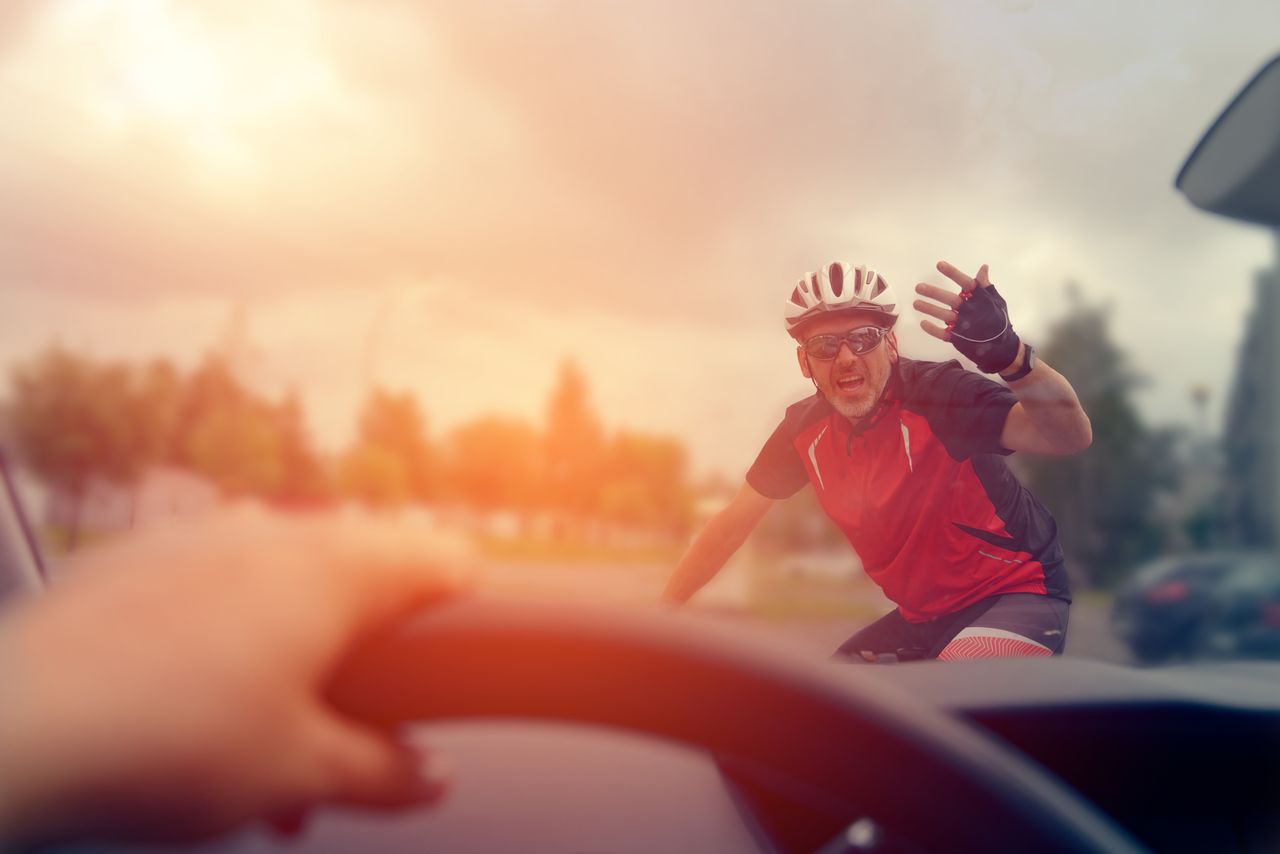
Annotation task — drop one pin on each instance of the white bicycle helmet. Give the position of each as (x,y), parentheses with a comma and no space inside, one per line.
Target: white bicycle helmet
(839,288)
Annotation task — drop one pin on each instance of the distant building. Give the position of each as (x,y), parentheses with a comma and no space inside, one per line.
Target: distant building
(1191,513)
(1251,444)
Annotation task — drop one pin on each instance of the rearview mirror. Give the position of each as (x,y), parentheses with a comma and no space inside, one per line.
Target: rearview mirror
(1235,168)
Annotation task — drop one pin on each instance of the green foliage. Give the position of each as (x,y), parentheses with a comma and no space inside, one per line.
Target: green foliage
(392,426)
(1103,499)
(495,463)
(798,523)
(644,483)
(77,420)
(245,444)
(574,445)
(304,479)
(72,422)
(375,475)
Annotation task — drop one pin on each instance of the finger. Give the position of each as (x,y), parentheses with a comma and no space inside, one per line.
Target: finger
(935,310)
(964,280)
(361,766)
(939,332)
(983,279)
(384,570)
(942,295)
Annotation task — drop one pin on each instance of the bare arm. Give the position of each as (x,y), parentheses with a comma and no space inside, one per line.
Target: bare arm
(716,543)
(117,753)
(1048,418)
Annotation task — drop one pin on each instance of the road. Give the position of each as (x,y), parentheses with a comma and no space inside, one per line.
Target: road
(729,599)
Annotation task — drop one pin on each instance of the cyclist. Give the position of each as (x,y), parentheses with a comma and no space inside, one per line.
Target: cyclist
(906,458)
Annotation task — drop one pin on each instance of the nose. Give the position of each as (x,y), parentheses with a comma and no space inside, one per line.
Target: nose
(845,354)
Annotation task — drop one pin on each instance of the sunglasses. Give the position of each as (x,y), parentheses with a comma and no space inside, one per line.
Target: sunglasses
(861,341)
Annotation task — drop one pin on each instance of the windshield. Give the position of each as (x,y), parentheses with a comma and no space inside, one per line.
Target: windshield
(519,271)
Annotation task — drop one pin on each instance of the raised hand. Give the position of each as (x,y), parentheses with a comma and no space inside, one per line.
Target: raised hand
(976,319)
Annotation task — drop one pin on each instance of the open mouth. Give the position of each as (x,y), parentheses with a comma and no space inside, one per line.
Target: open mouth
(850,383)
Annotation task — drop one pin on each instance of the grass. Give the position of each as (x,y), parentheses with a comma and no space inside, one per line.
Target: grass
(530,550)
(1094,596)
(788,597)
(55,540)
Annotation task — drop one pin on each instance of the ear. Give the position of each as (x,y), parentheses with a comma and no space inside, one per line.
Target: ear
(892,340)
(803,358)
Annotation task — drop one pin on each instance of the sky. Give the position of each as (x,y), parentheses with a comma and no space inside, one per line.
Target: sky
(455,199)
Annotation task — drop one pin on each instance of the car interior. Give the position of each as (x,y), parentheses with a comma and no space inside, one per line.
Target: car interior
(602,729)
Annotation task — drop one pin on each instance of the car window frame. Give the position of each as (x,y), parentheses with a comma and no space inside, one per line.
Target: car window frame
(22,569)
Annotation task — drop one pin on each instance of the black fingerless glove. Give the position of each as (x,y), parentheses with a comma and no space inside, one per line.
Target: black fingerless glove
(982,330)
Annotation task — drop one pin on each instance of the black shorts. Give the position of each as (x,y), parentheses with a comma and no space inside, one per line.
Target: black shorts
(1015,624)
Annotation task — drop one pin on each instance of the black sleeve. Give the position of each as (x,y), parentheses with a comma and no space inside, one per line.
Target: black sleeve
(966,410)
(777,472)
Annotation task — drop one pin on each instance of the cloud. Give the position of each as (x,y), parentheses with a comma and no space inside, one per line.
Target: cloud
(630,159)
(15,16)
(603,170)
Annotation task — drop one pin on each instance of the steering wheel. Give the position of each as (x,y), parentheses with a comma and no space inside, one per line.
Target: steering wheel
(852,745)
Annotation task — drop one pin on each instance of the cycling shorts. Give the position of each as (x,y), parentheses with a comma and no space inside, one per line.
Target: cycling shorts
(1011,625)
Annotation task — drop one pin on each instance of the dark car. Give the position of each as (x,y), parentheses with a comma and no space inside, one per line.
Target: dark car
(1164,609)
(1244,617)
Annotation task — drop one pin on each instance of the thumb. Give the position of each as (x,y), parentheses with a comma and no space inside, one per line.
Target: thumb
(983,278)
(365,767)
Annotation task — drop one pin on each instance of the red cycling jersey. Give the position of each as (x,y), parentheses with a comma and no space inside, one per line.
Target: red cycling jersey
(922,491)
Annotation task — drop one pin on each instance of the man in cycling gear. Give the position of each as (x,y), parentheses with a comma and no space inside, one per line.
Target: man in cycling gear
(906,458)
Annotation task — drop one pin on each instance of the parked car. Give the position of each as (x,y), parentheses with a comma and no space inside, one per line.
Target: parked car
(1244,620)
(1191,606)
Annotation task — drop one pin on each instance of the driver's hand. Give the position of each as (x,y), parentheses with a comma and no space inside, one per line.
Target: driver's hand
(171,686)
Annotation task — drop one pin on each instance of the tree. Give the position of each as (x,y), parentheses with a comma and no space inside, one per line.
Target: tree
(393,424)
(75,420)
(797,524)
(158,404)
(1103,499)
(303,478)
(494,463)
(644,482)
(228,434)
(574,444)
(375,475)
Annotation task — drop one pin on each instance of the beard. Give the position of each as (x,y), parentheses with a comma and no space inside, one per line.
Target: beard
(854,410)
(863,402)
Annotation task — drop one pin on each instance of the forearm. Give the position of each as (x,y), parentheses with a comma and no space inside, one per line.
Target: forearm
(705,557)
(21,776)
(25,816)
(1051,404)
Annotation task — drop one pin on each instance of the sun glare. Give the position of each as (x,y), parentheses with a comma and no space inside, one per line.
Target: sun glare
(219,83)
(171,72)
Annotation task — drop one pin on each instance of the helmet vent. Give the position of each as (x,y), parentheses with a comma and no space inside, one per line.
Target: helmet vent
(835,273)
(880,286)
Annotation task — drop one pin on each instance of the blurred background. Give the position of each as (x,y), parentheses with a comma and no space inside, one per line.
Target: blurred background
(516,269)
